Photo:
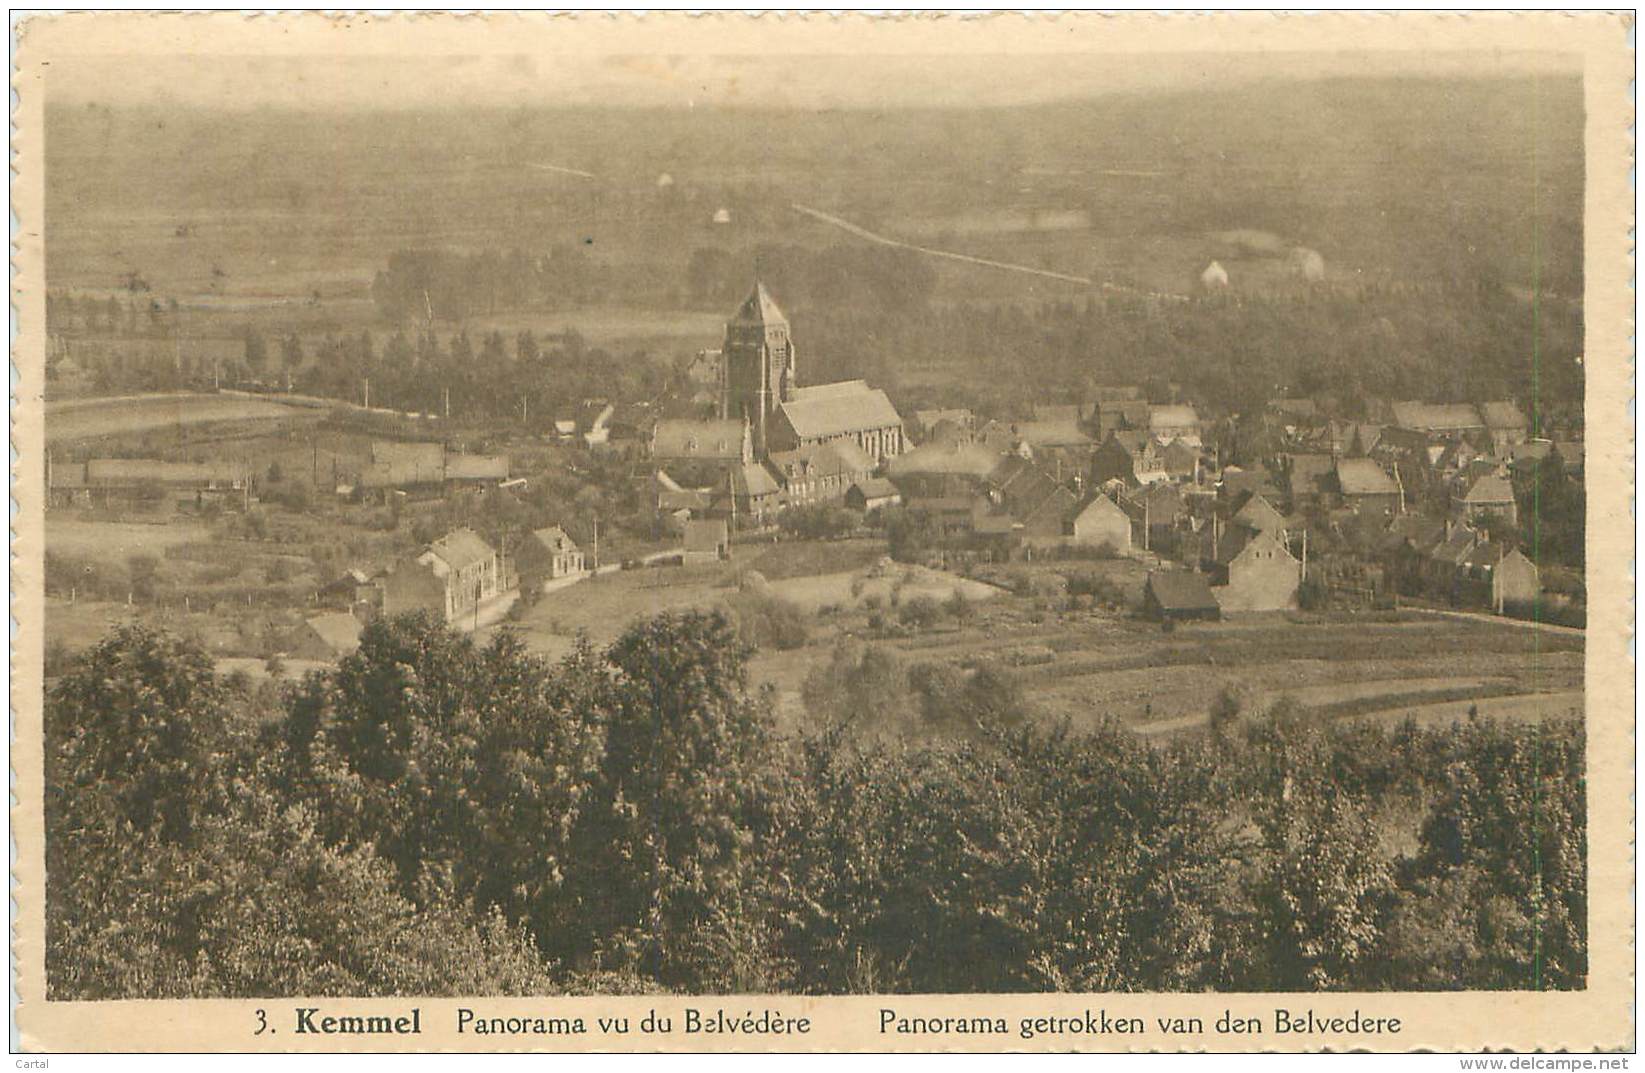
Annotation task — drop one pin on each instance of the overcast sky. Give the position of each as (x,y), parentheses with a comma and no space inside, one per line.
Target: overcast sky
(784,80)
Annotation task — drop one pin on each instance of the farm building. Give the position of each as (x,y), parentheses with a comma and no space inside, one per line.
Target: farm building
(476,469)
(871,494)
(1214,277)
(326,637)
(453,576)
(1179,595)
(1099,521)
(547,554)
(137,480)
(707,540)
(1255,572)
(398,466)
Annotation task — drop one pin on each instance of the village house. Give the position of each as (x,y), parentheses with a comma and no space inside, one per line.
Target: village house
(717,442)
(754,493)
(1254,571)
(1236,483)
(1174,422)
(935,469)
(1130,457)
(928,422)
(1437,419)
(1494,575)
(1179,596)
(820,473)
(871,494)
(547,555)
(1308,480)
(1158,510)
(1099,522)
(1505,424)
(1180,460)
(1128,414)
(1261,516)
(1488,496)
(1367,487)
(707,540)
(452,577)
(325,637)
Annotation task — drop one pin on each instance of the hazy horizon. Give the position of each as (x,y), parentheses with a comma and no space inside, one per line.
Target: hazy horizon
(768,82)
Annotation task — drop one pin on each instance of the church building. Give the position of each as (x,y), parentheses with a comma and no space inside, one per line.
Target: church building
(759,384)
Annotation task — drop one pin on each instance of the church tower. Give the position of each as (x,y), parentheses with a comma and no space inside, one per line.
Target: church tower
(756,364)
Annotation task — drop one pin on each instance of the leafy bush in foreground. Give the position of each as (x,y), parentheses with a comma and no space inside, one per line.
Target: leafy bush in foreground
(434,816)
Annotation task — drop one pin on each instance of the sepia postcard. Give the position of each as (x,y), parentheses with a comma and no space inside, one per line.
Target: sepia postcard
(802,533)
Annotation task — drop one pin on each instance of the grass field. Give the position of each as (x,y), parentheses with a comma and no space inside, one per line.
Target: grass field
(113,541)
(85,420)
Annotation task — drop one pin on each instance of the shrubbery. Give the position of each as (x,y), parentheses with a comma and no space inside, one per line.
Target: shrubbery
(436,817)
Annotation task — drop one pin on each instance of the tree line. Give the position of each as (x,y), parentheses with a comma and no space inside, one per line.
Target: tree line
(435,816)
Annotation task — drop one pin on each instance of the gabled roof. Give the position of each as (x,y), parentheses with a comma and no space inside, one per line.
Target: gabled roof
(1238,540)
(1420,531)
(554,539)
(1363,477)
(1436,417)
(752,479)
(974,460)
(460,548)
(1503,415)
(836,409)
(1174,416)
(759,308)
(1179,458)
(875,488)
(1098,505)
(1488,553)
(1454,548)
(1181,590)
(339,630)
(101,471)
(1260,515)
(1490,489)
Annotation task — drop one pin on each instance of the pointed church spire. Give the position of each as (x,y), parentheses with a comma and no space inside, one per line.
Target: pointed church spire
(759,308)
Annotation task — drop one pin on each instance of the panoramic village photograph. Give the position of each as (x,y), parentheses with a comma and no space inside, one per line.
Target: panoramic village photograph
(1006,525)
